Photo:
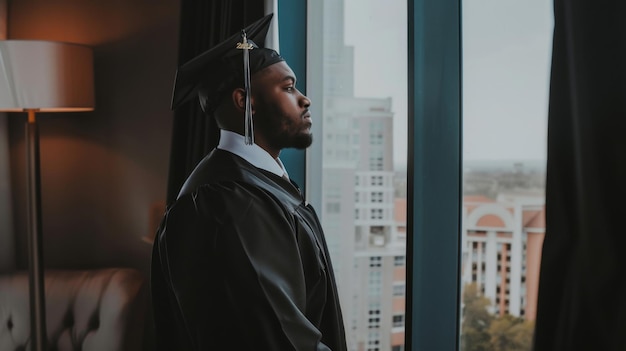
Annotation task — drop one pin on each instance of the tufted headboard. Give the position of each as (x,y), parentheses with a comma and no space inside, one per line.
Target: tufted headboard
(86,310)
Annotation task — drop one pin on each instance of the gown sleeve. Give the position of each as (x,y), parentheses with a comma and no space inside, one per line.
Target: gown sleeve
(231,256)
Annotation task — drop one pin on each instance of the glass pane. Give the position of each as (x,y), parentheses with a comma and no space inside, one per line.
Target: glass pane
(506,66)
(357,80)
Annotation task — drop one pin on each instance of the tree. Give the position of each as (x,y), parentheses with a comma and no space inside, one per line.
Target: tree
(482,331)
(510,333)
(476,320)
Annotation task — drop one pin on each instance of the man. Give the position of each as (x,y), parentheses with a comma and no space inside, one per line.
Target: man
(240,261)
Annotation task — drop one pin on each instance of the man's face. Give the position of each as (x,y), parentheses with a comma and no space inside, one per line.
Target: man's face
(281,113)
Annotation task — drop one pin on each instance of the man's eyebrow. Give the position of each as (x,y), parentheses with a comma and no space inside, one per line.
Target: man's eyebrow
(291,78)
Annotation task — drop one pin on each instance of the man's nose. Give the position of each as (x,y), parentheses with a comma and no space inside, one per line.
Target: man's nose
(305,101)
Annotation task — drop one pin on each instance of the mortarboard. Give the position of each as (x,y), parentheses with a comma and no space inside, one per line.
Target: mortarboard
(226,65)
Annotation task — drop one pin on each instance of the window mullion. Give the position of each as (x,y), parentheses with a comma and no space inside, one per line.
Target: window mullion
(434,174)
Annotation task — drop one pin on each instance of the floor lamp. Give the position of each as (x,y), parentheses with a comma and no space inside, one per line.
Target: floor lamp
(42,76)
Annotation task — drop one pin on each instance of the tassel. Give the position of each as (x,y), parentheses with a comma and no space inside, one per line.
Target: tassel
(249,126)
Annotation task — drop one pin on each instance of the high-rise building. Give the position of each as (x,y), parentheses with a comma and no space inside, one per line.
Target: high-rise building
(365,234)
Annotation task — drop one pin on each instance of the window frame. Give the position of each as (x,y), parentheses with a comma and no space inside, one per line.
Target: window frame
(434,175)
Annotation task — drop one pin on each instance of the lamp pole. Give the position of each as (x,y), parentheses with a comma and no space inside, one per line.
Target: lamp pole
(36,288)
(41,76)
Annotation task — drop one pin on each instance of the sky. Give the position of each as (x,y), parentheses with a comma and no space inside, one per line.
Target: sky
(377,30)
(506,66)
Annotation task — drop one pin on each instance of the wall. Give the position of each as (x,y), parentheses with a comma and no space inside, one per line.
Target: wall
(103,170)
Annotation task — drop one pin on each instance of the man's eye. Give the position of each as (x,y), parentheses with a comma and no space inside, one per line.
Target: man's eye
(289,89)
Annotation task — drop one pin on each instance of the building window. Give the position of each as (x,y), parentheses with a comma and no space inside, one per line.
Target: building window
(376,213)
(377,180)
(375,283)
(398,321)
(375,261)
(373,341)
(377,196)
(399,289)
(373,322)
(376,133)
(376,161)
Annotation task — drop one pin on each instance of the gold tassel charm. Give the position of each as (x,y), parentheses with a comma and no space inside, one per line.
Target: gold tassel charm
(249,126)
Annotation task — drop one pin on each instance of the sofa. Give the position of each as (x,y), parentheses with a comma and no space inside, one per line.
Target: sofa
(87,310)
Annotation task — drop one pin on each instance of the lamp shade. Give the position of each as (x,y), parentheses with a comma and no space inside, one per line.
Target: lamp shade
(45,76)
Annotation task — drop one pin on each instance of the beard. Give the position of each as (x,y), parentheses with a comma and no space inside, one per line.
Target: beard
(286,138)
(300,141)
(282,132)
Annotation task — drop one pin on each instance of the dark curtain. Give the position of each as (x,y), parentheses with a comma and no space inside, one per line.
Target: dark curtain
(582,288)
(203,24)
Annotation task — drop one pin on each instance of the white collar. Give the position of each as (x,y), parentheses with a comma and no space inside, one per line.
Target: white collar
(233,142)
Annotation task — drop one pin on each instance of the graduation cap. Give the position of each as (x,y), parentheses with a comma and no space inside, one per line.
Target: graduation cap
(225,66)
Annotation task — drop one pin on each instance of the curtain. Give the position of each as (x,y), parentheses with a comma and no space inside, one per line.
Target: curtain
(582,288)
(203,24)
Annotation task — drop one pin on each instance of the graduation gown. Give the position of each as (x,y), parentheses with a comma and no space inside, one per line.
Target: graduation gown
(240,263)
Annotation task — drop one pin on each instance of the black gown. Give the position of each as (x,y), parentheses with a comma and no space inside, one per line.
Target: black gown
(240,263)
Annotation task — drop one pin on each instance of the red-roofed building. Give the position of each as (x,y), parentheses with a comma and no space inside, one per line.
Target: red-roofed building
(501,251)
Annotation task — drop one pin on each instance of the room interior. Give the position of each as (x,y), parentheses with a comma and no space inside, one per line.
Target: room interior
(104,172)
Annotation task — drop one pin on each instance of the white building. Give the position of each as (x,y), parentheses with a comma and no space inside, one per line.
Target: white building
(501,251)
(359,218)
(358,209)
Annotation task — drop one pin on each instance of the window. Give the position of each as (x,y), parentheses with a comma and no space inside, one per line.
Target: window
(377,180)
(398,289)
(362,108)
(373,341)
(505,81)
(375,261)
(376,161)
(377,196)
(438,177)
(376,213)
(373,322)
(398,321)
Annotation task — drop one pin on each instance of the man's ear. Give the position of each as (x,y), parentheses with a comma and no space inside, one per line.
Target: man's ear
(239,100)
